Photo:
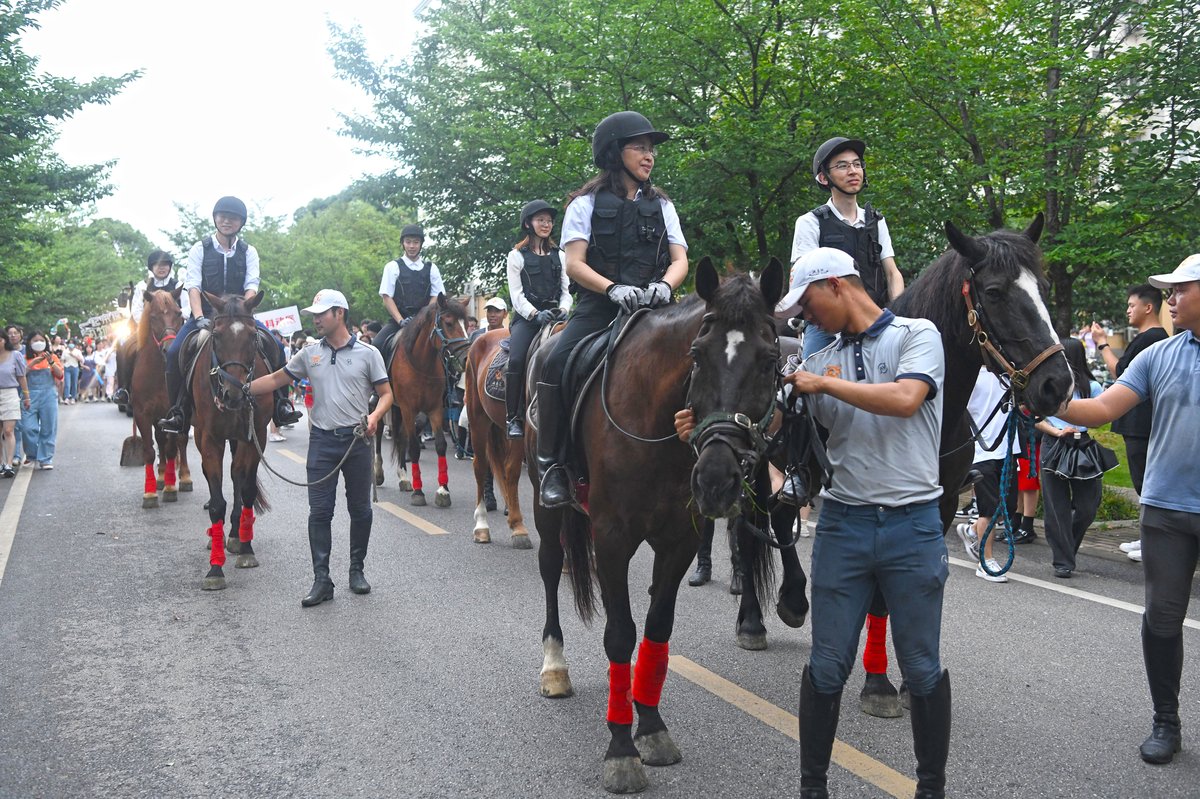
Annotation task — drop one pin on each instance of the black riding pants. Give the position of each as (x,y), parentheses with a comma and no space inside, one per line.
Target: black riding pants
(1170,547)
(521,334)
(593,313)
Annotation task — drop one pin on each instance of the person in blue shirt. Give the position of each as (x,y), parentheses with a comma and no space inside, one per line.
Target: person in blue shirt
(1168,374)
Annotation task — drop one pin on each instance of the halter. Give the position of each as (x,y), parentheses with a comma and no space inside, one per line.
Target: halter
(1018,378)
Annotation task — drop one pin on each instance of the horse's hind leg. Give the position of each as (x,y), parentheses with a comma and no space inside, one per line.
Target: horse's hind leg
(793,603)
(507,468)
(150,488)
(480,466)
(232,543)
(555,679)
(185,472)
(377,463)
(167,452)
(414,453)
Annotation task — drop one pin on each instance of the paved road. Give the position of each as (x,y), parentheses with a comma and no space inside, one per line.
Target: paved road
(119,677)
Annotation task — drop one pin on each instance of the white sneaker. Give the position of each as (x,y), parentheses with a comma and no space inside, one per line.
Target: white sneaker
(276,437)
(1135,555)
(992,578)
(45,467)
(806,529)
(1130,546)
(970,541)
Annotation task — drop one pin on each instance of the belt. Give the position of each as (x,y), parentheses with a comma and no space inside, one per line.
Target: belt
(338,431)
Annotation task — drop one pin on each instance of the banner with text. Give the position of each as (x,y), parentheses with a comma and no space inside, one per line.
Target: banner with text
(284,320)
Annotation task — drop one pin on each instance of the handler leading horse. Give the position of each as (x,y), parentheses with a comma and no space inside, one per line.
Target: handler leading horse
(717,353)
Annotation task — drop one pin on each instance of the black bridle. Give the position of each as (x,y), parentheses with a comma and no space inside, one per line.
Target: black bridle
(976,317)
(219,373)
(452,352)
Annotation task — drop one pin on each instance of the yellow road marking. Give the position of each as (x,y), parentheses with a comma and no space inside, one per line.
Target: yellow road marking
(412,518)
(858,763)
(287,453)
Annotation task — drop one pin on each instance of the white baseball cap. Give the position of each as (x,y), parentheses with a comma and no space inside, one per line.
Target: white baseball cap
(814,265)
(1187,271)
(326,299)
(498,303)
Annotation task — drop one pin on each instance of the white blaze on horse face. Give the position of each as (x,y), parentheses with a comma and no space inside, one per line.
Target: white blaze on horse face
(1028,283)
(732,339)
(236,328)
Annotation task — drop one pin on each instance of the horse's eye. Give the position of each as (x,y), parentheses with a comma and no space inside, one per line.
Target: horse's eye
(993,293)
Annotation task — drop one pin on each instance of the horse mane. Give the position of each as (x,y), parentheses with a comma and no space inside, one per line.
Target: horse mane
(936,294)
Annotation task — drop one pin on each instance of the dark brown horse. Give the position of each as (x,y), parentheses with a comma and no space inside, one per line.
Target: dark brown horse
(227,361)
(717,353)
(494,451)
(427,359)
(161,319)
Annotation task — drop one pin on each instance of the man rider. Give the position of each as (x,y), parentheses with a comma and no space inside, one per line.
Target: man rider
(159,266)
(405,291)
(219,264)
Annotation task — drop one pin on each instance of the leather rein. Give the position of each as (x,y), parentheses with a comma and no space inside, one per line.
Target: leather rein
(1018,378)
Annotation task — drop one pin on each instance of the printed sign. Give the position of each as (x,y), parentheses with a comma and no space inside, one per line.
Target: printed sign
(284,320)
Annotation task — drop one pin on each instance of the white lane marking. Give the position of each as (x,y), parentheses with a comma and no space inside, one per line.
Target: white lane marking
(1075,592)
(1028,283)
(287,453)
(413,519)
(12,514)
(732,339)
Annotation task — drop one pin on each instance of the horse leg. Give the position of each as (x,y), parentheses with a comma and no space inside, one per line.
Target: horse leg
(623,769)
(231,541)
(879,696)
(555,679)
(508,474)
(167,446)
(150,487)
(400,445)
(442,497)
(185,473)
(793,604)
(212,457)
(245,475)
(414,452)
(751,632)
(377,463)
(481,465)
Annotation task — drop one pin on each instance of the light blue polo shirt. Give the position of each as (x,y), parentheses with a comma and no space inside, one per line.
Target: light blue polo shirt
(1168,373)
(883,460)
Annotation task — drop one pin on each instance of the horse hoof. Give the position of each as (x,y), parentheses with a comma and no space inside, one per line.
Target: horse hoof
(755,642)
(247,561)
(657,749)
(378,478)
(185,485)
(161,485)
(521,541)
(214,582)
(149,501)
(418,498)
(441,498)
(406,485)
(556,684)
(232,545)
(483,536)
(170,494)
(879,698)
(790,618)
(625,775)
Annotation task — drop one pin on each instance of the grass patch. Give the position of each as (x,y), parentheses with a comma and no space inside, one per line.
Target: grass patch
(1114,441)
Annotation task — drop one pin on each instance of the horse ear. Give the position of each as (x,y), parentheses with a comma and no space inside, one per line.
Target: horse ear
(442,302)
(253,302)
(771,283)
(1034,231)
(707,280)
(178,295)
(217,301)
(147,297)
(964,245)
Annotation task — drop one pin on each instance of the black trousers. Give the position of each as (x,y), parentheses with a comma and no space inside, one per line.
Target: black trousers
(1136,448)
(1170,547)
(1070,506)
(593,313)
(521,334)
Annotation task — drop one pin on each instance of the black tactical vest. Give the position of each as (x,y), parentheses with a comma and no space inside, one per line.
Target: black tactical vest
(629,240)
(170,286)
(411,292)
(221,275)
(861,244)
(541,278)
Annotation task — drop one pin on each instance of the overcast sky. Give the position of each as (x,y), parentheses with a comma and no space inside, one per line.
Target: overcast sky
(235,98)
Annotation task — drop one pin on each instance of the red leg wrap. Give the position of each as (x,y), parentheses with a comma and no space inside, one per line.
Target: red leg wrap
(650,672)
(443,474)
(246,525)
(875,659)
(170,477)
(151,481)
(216,556)
(620,699)
(416,475)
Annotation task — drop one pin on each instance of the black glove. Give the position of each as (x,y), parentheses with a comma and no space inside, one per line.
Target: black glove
(559,315)
(628,297)
(544,317)
(656,294)
(204,323)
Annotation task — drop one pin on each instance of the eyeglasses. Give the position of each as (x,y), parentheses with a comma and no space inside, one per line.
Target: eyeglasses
(842,166)
(643,149)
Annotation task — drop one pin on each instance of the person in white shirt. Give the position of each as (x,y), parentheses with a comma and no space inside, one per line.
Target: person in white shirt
(159,266)
(409,283)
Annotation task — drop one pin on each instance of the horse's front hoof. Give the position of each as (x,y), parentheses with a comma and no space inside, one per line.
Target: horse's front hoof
(441,497)
(879,698)
(185,485)
(556,684)
(657,749)
(150,501)
(418,498)
(483,536)
(378,478)
(215,579)
(790,617)
(521,541)
(406,485)
(247,561)
(170,494)
(625,775)
(755,642)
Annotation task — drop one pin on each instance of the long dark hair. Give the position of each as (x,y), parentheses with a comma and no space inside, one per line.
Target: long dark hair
(1077,360)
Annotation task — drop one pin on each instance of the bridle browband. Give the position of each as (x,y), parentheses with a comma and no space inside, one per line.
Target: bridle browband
(1018,378)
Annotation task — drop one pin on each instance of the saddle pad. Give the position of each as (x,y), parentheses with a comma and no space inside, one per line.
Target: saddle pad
(494,382)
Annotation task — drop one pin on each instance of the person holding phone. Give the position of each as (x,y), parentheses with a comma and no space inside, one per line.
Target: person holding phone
(40,420)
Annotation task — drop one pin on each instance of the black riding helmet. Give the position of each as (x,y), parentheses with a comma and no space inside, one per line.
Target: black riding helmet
(533,208)
(413,230)
(155,256)
(830,148)
(616,129)
(230,205)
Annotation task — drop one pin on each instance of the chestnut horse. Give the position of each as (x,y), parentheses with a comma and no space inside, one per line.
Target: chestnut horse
(427,359)
(161,319)
(228,359)
(494,451)
(716,353)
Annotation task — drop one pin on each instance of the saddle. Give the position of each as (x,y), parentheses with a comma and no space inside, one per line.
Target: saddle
(495,383)
(189,351)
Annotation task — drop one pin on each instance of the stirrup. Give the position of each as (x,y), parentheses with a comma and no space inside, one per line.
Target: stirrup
(174,422)
(549,500)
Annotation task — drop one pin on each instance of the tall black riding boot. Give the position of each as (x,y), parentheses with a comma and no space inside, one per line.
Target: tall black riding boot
(703,572)
(555,488)
(1164,665)
(818,726)
(360,536)
(736,574)
(514,395)
(320,541)
(284,413)
(931,738)
(176,419)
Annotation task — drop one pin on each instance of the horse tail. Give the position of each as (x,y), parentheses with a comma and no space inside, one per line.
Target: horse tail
(581,561)
(397,425)
(261,504)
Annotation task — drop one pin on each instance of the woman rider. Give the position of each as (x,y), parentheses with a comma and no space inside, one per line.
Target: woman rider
(624,250)
(538,287)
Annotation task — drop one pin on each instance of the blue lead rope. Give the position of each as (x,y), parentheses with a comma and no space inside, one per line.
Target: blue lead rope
(1010,435)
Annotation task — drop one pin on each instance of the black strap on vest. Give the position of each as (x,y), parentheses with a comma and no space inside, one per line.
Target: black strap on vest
(861,244)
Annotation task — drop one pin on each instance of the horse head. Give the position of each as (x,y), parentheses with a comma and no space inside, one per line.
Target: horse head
(234,346)
(1003,297)
(450,329)
(734,381)
(162,317)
